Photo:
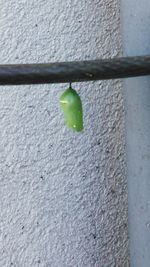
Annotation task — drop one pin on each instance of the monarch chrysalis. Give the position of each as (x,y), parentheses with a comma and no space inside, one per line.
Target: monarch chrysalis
(71,106)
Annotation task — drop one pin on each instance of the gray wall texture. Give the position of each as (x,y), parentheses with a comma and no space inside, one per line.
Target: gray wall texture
(63,199)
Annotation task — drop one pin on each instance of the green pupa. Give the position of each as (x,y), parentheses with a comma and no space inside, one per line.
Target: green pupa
(71,106)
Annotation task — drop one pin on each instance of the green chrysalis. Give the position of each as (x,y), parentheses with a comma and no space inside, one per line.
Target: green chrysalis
(71,106)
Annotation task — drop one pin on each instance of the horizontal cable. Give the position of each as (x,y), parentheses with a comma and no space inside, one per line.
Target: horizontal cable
(77,71)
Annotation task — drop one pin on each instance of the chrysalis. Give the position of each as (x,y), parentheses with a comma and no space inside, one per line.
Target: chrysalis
(71,106)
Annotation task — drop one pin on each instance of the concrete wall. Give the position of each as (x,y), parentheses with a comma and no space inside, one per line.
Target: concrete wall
(136,41)
(62,195)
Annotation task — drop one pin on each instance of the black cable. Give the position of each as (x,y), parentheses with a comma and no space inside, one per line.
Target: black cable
(77,71)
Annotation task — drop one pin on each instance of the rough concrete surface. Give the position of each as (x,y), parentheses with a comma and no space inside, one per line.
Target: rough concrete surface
(63,199)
